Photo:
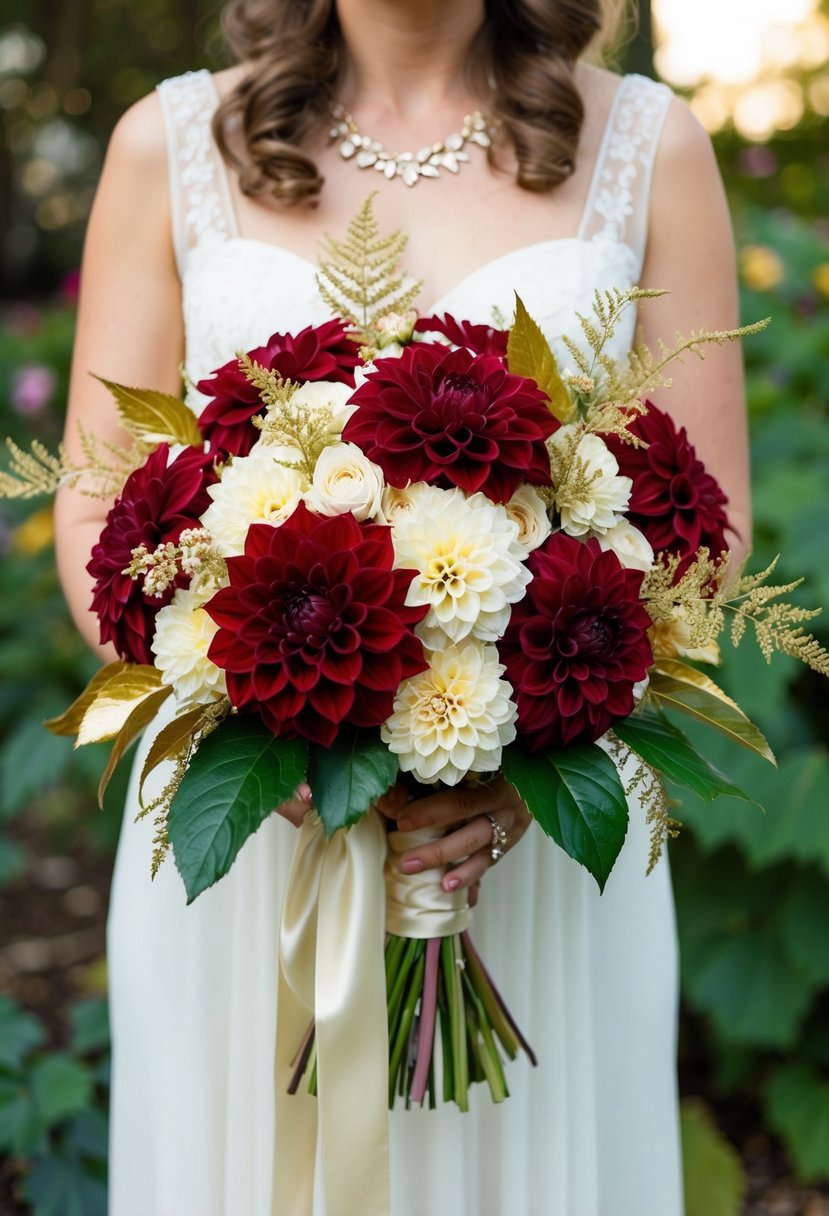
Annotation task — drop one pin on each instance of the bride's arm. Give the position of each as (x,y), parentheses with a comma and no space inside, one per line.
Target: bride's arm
(129,325)
(691,254)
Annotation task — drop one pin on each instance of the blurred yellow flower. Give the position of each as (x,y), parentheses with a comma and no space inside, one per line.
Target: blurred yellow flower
(820,278)
(35,533)
(761,267)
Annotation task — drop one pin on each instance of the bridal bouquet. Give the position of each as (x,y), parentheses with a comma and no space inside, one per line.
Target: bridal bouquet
(399,549)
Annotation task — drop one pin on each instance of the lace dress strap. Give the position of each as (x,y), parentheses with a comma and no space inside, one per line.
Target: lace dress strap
(202,209)
(617,203)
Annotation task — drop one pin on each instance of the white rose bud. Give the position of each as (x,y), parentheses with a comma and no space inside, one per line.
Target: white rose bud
(345,480)
(527,508)
(330,394)
(631,546)
(592,493)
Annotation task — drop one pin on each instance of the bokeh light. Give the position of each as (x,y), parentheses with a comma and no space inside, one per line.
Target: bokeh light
(746,61)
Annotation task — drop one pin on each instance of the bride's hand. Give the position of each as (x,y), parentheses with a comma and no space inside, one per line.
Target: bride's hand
(296,808)
(471,842)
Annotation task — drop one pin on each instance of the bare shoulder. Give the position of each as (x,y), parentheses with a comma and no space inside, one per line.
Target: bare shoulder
(227,79)
(139,136)
(684,145)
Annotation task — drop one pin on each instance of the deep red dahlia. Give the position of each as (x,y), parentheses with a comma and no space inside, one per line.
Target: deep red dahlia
(320,352)
(452,418)
(479,339)
(155,506)
(675,501)
(576,644)
(313,629)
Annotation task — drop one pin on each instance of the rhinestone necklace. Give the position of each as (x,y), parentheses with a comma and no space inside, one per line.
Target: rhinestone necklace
(410,166)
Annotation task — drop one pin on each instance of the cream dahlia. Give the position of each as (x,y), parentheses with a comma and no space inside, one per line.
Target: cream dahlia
(253,489)
(468,562)
(183,633)
(454,718)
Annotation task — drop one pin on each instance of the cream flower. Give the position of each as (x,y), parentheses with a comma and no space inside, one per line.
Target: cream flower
(589,492)
(327,394)
(253,489)
(183,633)
(468,562)
(631,546)
(345,480)
(398,503)
(454,718)
(527,508)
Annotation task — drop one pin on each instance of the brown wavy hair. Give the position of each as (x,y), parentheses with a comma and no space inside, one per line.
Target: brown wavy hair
(526,49)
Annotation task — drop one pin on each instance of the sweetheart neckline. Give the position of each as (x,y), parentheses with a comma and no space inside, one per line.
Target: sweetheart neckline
(284,251)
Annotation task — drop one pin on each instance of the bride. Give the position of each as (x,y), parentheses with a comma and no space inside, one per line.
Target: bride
(203,240)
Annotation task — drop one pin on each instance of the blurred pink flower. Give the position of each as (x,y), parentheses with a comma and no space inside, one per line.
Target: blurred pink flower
(69,287)
(32,387)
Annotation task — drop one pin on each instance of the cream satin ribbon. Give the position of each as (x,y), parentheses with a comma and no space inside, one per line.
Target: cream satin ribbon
(331,967)
(416,904)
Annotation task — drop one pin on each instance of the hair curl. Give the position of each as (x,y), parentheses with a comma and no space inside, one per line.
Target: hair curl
(527,49)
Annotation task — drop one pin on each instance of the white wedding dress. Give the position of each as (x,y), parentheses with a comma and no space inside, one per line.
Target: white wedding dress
(592,980)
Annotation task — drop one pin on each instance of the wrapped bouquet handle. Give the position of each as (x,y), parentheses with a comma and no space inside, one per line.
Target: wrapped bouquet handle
(331,969)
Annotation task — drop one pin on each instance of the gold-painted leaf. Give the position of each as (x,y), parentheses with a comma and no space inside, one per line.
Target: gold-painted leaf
(140,717)
(155,417)
(682,687)
(173,741)
(69,722)
(529,354)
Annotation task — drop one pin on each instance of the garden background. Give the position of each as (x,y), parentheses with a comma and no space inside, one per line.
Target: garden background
(752,887)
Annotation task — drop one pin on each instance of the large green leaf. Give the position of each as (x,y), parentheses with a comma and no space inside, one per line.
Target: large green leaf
(349,776)
(797,1101)
(31,761)
(670,752)
(748,985)
(578,799)
(20,1033)
(712,1170)
(90,1025)
(235,780)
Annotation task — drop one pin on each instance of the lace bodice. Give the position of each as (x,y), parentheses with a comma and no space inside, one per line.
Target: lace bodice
(236,291)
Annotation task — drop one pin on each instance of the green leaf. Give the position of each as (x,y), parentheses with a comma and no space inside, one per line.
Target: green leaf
(90,1025)
(349,776)
(797,1101)
(62,1186)
(750,988)
(712,1170)
(20,1033)
(670,752)
(800,920)
(529,354)
(60,1086)
(21,1129)
(31,762)
(235,780)
(578,799)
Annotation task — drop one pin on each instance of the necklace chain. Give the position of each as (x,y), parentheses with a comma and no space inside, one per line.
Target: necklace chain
(449,153)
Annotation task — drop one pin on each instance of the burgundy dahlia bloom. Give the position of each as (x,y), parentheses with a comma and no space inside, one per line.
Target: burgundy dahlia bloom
(314,630)
(576,644)
(157,503)
(320,352)
(452,418)
(675,501)
(479,339)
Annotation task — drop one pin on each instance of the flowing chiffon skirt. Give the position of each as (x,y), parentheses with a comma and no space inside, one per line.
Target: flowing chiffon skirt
(592,980)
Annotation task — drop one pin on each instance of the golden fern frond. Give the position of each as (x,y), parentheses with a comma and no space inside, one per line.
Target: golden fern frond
(34,472)
(359,277)
(645,370)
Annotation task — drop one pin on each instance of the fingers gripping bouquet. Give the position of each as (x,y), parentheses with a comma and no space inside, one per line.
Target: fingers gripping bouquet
(407,551)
